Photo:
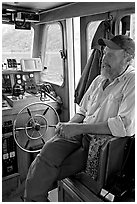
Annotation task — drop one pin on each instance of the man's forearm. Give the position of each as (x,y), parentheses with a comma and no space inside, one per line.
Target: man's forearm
(71,129)
(98,128)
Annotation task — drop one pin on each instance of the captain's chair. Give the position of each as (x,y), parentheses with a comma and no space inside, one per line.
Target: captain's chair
(110,168)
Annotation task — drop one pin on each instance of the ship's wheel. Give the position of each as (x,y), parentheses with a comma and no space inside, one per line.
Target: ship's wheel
(34,125)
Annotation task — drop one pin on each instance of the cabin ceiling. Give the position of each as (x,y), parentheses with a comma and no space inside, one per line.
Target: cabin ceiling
(60,10)
(33,6)
(44,6)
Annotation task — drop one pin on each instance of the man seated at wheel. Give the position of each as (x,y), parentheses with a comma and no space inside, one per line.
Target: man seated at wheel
(106,108)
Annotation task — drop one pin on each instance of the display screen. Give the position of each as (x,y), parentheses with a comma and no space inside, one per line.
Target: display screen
(29,64)
(32,64)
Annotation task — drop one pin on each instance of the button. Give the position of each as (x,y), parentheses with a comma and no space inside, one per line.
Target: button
(5,156)
(12,154)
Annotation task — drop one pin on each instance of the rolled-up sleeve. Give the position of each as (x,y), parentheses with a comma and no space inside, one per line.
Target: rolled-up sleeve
(82,108)
(124,123)
(83,104)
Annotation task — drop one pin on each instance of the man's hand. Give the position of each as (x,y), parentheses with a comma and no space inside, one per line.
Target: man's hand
(67,130)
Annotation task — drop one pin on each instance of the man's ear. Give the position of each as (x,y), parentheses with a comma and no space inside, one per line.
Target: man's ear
(128,57)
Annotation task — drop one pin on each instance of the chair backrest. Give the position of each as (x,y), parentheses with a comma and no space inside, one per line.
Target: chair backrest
(116,156)
(120,161)
(112,156)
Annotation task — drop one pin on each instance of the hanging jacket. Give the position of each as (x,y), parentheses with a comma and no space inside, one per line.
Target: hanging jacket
(93,66)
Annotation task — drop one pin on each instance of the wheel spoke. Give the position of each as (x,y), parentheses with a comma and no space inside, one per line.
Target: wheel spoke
(43,140)
(26,145)
(43,126)
(29,112)
(28,128)
(20,128)
(52,126)
(40,133)
(46,111)
(32,133)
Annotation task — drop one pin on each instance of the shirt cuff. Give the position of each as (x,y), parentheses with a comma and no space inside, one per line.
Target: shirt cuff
(117,127)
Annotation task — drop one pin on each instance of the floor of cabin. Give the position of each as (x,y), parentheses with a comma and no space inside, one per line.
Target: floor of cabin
(17,195)
(16,198)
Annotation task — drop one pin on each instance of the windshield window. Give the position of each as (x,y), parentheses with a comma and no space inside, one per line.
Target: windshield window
(16,43)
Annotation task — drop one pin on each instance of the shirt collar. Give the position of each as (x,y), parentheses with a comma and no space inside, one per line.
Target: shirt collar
(124,75)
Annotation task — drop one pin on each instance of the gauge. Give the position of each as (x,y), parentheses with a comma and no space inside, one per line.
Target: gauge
(19,81)
(31,75)
(18,76)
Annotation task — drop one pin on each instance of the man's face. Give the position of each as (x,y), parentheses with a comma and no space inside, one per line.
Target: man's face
(112,63)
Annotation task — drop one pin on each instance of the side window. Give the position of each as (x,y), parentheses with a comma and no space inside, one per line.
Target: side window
(127,25)
(52,60)
(91,29)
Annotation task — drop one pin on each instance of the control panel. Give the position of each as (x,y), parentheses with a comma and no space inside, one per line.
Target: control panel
(6,84)
(21,88)
(9,153)
(11,63)
(18,81)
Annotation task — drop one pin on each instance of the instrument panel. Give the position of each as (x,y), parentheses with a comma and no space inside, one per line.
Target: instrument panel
(10,79)
(9,153)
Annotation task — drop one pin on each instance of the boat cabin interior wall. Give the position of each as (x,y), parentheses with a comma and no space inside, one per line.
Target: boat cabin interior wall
(38,91)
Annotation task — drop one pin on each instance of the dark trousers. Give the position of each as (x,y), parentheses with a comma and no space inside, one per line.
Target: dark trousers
(58,159)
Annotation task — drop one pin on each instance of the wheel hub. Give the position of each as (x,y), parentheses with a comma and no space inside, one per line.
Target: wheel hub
(37,127)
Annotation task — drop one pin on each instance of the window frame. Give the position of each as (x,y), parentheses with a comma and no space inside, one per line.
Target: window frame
(83,34)
(119,16)
(43,50)
(87,40)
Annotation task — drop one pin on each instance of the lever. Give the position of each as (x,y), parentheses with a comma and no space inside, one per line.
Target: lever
(62,53)
(52,97)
